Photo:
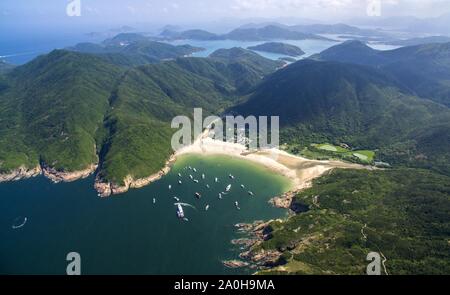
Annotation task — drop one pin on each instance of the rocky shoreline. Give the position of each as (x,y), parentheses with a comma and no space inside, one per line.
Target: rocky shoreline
(54,175)
(252,256)
(21,173)
(62,176)
(285,200)
(106,189)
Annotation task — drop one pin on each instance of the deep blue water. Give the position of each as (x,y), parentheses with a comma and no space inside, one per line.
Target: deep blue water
(128,234)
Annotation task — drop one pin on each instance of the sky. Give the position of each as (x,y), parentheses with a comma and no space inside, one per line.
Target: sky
(53,13)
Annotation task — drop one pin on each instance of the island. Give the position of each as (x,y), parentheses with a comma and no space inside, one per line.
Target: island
(279,48)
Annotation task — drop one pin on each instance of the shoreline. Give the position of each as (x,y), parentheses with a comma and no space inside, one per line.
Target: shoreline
(300,171)
(106,189)
(52,174)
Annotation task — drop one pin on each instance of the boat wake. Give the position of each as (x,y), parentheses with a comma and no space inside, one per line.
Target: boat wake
(185,205)
(19,222)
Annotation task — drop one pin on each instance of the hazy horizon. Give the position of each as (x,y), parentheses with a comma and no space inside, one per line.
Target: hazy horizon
(214,15)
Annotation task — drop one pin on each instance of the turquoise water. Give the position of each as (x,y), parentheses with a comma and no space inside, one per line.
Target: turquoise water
(310,47)
(128,234)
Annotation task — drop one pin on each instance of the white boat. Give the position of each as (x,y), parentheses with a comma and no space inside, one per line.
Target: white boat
(237,205)
(180,212)
(220,196)
(195,180)
(216,179)
(176,199)
(243,186)
(154,200)
(179,174)
(231,176)
(170,186)
(203,176)
(190,168)
(179,182)
(207,186)
(191,177)
(207,207)
(198,195)
(227,189)
(250,193)
(195,170)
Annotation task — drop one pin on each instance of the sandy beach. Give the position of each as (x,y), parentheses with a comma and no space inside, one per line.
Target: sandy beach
(299,170)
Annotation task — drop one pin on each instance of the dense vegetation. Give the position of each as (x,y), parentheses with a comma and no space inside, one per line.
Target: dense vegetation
(280,48)
(320,102)
(5,67)
(270,32)
(404,214)
(64,109)
(134,49)
(425,69)
(51,110)
(113,106)
(264,33)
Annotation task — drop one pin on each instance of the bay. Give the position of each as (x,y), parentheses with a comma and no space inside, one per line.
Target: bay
(128,233)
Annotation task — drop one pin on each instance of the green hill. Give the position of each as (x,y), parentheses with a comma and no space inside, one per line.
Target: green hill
(66,109)
(401,213)
(270,32)
(133,50)
(190,35)
(52,109)
(425,69)
(279,48)
(321,102)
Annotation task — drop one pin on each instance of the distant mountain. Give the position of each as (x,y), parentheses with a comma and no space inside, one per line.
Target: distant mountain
(270,32)
(432,25)
(279,48)
(134,49)
(425,69)
(338,29)
(190,35)
(124,39)
(335,29)
(248,57)
(420,41)
(359,105)
(250,33)
(262,25)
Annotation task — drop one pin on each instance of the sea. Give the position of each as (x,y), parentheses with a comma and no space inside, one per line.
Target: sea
(137,232)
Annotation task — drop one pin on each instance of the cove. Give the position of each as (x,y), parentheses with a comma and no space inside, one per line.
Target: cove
(129,233)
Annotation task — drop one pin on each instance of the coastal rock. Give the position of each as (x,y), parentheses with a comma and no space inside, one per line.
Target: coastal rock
(266,258)
(235,263)
(63,176)
(20,173)
(284,201)
(106,189)
(103,188)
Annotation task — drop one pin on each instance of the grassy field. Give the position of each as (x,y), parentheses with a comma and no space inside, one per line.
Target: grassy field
(327,151)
